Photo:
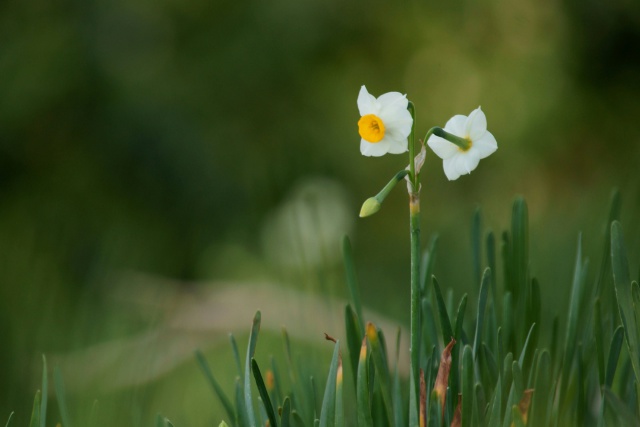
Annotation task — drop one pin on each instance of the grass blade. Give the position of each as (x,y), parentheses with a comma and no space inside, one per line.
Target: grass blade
(622,284)
(491,260)
(162,421)
(236,355)
(327,414)
(482,303)
(621,409)
(467,386)
(490,363)
(362,390)
(275,389)
(574,304)
(507,364)
(381,368)
(507,419)
(516,416)
(354,337)
(241,411)
(253,338)
(352,279)
(455,353)
(62,399)
(605,264)
(264,394)
(518,380)
(429,326)
(35,413)
(442,379)
(534,310)
(398,407)
(526,345)
(423,400)
(286,412)
(445,323)
(507,321)
(496,407)
(339,399)
(599,336)
(228,407)
(540,405)
(428,261)
(45,393)
(614,354)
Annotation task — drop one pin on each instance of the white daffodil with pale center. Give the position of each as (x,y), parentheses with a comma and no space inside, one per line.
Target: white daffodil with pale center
(481,143)
(385,123)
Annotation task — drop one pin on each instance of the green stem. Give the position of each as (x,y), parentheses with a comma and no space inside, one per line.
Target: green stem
(392,183)
(412,153)
(415,286)
(414,211)
(462,143)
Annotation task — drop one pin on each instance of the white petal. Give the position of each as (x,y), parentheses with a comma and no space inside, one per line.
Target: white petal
(398,144)
(458,164)
(399,120)
(391,102)
(376,150)
(455,125)
(486,145)
(366,102)
(476,124)
(451,173)
(443,148)
(468,162)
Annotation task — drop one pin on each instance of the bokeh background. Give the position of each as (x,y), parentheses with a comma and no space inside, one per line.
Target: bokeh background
(152,152)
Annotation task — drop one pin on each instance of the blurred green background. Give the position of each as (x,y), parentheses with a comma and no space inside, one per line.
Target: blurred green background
(194,144)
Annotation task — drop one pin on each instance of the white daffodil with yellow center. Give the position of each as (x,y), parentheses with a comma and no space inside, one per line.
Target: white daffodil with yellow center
(385,123)
(475,142)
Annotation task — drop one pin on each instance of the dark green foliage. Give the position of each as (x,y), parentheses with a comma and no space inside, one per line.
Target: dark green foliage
(508,371)
(496,364)
(264,394)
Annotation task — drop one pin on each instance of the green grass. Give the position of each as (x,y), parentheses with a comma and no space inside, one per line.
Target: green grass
(513,362)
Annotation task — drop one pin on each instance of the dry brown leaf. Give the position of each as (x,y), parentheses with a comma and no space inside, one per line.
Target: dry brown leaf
(457,415)
(523,406)
(442,380)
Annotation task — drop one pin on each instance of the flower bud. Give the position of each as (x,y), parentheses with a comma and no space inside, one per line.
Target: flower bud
(369,207)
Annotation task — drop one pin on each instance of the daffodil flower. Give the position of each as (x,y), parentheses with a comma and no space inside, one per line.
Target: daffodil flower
(473,143)
(385,123)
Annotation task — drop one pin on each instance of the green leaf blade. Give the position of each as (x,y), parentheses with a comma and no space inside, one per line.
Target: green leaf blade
(622,283)
(327,413)
(62,398)
(248,399)
(226,403)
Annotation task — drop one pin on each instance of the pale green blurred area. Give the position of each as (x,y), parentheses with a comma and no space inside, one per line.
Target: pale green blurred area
(216,142)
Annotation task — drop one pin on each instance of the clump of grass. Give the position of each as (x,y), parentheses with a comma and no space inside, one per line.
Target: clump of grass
(486,363)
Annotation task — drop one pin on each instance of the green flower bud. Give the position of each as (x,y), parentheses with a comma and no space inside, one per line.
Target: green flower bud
(369,207)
